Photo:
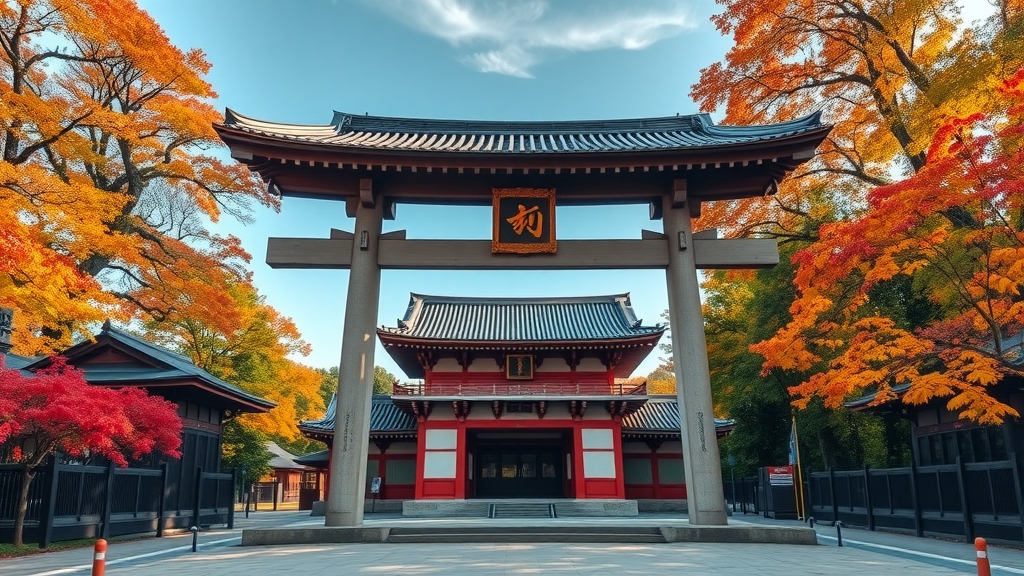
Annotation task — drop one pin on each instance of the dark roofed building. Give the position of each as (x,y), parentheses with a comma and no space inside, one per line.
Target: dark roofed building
(116,358)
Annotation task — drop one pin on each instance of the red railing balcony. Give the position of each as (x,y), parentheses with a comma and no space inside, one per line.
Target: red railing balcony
(532,388)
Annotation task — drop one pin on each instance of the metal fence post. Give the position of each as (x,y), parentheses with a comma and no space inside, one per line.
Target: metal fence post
(915,495)
(231,500)
(809,501)
(197,501)
(965,505)
(108,502)
(832,493)
(49,503)
(161,508)
(867,498)
(1017,476)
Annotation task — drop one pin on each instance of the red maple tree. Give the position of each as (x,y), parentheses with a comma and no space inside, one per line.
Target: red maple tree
(56,410)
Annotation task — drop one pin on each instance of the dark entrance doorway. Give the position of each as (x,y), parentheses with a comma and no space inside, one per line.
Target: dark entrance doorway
(506,470)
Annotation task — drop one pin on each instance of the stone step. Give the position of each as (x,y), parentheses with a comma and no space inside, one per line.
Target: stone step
(536,534)
(521,510)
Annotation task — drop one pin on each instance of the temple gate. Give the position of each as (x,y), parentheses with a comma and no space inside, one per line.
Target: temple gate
(522,169)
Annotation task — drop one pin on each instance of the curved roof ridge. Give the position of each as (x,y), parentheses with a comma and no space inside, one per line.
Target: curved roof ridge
(365,122)
(520,299)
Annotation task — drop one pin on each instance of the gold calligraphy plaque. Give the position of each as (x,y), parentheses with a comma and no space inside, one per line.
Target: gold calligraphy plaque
(519,366)
(524,221)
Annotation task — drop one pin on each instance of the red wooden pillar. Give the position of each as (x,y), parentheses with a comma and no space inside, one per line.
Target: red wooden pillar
(421,451)
(620,471)
(577,461)
(655,478)
(327,473)
(460,462)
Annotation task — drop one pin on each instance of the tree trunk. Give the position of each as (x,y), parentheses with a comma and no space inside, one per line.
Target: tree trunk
(19,519)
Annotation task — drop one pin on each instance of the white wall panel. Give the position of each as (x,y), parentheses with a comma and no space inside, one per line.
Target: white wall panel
(600,439)
(439,465)
(442,439)
(599,464)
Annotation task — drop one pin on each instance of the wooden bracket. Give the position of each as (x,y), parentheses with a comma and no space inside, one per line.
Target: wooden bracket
(461,409)
(366,193)
(611,359)
(542,409)
(679,192)
(382,444)
(577,408)
(427,360)
(421,409)
(496,408)
(654,444)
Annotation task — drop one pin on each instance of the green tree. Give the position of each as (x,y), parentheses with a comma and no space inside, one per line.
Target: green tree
(382,380)
(245,450)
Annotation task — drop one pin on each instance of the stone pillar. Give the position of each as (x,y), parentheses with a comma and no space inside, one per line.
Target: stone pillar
(347,482)
(705,498)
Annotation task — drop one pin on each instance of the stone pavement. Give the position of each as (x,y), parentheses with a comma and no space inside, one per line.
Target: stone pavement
(874,553)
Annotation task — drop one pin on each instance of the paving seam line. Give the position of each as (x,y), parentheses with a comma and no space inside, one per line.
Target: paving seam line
(81,567)
(922,554)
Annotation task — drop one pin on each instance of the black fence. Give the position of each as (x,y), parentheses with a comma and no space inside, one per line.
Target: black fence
(745,495)
(69,501)
(960,500)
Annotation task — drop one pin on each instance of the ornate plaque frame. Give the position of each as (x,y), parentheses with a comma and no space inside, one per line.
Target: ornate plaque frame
(550,246)
(519,366)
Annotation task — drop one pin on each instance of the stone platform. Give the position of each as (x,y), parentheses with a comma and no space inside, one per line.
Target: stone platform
(537,531)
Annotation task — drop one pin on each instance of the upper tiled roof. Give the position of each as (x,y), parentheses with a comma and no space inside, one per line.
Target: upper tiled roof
(521,319)
(385,418)
(166,365)
(660,416)
(16,362)
(475,137)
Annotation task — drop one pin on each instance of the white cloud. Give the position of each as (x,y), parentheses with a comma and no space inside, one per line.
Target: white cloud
(509,37)
(509,60)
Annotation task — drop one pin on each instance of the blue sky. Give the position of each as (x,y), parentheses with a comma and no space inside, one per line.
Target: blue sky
(298,61)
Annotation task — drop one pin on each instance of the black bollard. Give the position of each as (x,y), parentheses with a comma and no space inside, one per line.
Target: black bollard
(839,532)
(195,537)
(810,520)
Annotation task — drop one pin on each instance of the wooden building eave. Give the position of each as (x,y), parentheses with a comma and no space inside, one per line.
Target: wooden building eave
(724,171)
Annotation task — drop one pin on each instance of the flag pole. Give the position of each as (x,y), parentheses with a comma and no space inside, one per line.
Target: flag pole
(798,483)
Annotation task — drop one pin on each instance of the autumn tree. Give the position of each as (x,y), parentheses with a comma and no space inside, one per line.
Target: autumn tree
(917,174)
(741,308)
(109,175)
(884,72)
(254,351)
(973,274)
(56,410)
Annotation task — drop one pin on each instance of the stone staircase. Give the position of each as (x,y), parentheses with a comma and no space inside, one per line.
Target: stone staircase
(518,508)
(521,510)
(527,534)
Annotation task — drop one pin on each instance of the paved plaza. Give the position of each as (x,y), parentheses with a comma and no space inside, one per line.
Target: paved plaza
(864,552)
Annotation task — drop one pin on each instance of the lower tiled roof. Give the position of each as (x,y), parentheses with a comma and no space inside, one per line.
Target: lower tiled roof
(385,418)
(660,416)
